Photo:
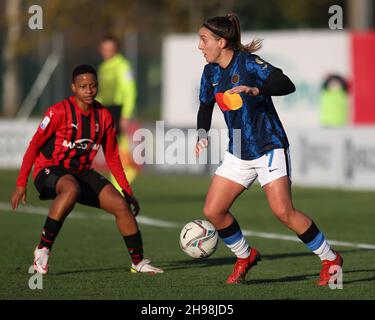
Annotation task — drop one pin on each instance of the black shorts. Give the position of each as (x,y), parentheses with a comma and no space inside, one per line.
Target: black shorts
(90,182)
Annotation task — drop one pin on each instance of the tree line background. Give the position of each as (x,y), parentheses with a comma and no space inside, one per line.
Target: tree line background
(76,27)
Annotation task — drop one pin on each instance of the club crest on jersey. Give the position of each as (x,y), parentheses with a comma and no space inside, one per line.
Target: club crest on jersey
(235,78)
(45,122)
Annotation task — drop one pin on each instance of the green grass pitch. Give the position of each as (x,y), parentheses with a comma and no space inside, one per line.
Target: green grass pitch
(89,260)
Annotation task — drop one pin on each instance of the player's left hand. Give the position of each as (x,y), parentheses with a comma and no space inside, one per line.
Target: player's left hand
(133,203)
(200,145)
(253,91)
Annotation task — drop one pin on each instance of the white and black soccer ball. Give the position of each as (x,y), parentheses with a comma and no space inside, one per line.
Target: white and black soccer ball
(199,239)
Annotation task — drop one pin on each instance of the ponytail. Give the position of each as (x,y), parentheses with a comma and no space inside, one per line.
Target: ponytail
(229,28)
(235,37)
(253,46)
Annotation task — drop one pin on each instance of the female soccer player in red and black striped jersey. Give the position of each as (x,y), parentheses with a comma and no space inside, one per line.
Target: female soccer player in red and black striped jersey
(62,151)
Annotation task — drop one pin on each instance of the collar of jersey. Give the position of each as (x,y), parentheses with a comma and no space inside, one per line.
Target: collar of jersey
(78,109)
(235,54)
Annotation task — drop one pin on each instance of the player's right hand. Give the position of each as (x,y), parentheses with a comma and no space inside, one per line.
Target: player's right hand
(201,144)
(253,91)
(18,194)
(132,202)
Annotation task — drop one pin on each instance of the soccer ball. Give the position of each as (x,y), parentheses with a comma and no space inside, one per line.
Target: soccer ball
(198,239)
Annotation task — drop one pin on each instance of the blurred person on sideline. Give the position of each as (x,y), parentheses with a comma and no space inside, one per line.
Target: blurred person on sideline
(334,101)
(117,92)
(242,83)
(62,151)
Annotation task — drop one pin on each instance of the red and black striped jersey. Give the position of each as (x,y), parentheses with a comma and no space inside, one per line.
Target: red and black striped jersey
(69,137)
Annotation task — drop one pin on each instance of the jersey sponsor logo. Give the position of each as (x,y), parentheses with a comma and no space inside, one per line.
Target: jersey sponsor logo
(45,122)
(81,144)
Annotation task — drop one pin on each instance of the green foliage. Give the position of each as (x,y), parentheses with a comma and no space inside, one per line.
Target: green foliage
(85,20)
(82,23)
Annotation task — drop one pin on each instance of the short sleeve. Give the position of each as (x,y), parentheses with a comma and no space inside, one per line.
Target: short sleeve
(206,93)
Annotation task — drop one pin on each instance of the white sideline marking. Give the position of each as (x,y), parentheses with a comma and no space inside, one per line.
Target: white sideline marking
(167,224)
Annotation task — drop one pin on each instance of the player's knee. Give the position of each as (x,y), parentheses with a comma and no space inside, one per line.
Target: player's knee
(211,213)
(120,207)
(72,193)
(284,214)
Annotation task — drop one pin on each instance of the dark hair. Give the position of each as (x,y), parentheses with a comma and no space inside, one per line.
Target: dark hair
(343,82)
(81,69)
(228,27)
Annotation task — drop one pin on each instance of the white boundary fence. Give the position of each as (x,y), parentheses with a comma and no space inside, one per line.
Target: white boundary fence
(337,158)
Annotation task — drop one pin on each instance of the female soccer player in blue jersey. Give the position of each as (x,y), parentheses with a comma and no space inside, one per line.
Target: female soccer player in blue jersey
(241,83)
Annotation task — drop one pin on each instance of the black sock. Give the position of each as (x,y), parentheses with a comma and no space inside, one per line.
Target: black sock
(135,247)
(310,234)
(50,231)
(229,231)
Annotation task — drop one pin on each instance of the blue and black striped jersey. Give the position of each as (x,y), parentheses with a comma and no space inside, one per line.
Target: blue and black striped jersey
(255,116)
